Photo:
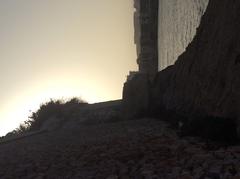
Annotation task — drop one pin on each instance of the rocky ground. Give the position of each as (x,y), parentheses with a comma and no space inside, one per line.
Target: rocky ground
(137,149)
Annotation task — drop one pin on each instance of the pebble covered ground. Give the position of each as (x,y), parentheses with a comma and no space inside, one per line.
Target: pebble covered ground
(137,149)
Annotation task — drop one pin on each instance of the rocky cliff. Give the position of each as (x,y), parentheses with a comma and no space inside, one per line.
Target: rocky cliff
(204,81)
(146,32)
(177,23)
(205,78)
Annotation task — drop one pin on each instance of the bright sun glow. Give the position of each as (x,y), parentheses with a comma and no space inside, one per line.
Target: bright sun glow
(61,49)
(32,102)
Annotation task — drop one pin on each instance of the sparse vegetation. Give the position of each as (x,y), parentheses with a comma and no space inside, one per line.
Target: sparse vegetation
(59,109)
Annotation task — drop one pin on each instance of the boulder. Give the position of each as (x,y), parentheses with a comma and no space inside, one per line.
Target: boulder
(136,96)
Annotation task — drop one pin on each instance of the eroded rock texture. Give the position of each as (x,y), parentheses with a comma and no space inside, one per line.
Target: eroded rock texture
(146,32)
(177,24)
(205,79)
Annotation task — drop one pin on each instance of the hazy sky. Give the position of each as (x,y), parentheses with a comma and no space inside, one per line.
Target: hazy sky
(62,48)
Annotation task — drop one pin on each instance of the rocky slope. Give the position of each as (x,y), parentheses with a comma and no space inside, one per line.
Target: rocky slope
(144,148)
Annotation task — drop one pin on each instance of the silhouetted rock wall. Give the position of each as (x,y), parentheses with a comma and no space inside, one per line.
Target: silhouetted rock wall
(205,78)
(146,33)
(163,28)
(136,96)
(136,89)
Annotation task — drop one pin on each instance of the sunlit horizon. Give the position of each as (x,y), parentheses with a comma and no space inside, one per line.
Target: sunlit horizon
(25,107)
(62,49)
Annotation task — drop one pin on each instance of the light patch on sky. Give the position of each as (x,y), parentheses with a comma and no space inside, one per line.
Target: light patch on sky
(62,48)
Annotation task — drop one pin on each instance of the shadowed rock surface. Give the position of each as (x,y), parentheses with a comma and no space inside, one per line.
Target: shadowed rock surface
(144,148)
(205,78)
(204,81)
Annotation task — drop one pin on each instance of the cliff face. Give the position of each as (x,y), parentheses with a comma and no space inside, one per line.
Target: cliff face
(206,78)
(146,32)
(177,23)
